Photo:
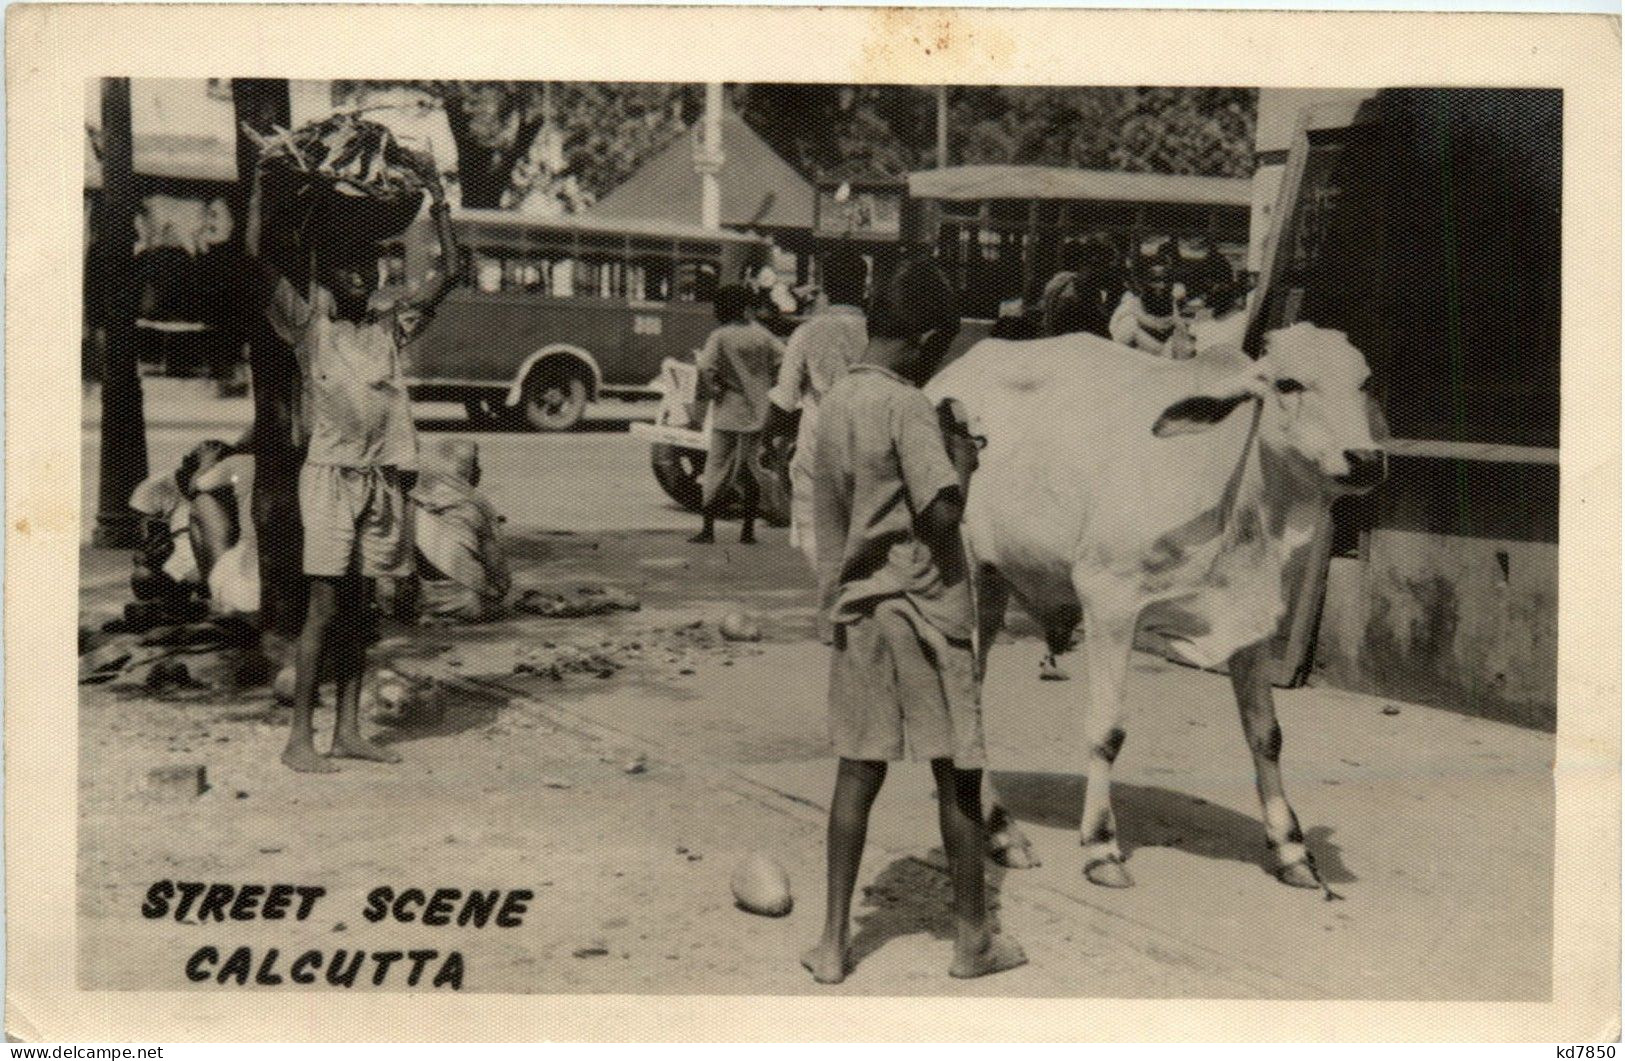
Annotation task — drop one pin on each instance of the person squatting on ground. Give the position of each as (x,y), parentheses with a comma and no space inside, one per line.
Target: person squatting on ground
(184,529)
(888,498)
(819,352)
(363,448)
(737,366)
(462,574)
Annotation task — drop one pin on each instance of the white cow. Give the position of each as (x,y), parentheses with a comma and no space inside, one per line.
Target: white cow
(1122,488)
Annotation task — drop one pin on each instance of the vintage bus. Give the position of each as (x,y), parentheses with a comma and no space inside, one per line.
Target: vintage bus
(1001,231)
(555,313)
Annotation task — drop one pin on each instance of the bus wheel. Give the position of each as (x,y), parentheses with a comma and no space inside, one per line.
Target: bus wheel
(554,402)
(678,471)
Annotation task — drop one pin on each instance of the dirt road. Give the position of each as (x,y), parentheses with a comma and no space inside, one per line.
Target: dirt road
(1434,828)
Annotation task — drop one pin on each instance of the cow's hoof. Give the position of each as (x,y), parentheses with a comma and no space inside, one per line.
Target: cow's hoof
(1011,850)
(1299,875)
(1108,873)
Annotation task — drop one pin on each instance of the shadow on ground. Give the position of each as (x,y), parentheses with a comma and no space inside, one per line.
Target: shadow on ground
(1151,816)
(909,897)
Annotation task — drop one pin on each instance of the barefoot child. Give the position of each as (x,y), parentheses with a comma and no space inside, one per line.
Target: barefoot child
(738,366)
(362,449)
(887,500)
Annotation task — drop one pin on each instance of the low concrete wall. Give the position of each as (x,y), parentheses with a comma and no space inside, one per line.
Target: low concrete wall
(1453,601)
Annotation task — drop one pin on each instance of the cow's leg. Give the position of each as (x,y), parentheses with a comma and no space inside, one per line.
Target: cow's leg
(1058,630)
(1006,843)
(992,594)
(1106,651)
(1249,674)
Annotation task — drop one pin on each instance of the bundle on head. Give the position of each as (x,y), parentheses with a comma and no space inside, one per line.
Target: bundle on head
(343,172)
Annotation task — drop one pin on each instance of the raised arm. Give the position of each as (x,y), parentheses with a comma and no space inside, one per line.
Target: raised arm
(264,274)
(436,289)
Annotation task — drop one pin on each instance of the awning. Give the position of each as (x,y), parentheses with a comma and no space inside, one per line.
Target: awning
(759,189)
(972,183)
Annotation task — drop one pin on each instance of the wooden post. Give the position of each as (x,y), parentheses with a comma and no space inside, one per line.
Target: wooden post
(278,442)
(942,126)
(124,429)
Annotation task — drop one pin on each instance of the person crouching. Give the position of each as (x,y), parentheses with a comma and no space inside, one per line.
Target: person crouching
(462,573)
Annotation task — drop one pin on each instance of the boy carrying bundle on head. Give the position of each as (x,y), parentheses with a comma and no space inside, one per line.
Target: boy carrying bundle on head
(362,452)
(892,575)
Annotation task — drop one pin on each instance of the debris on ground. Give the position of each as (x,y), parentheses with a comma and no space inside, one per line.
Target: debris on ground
(761,886)
(407,701)
(737,626)
(636,765)
(555,661)
(595,949)
(181,781)
(579,603)
(1390,709)
(219,654)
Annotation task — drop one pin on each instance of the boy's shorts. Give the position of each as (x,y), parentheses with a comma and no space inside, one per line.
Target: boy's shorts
(895,680)
(355,522)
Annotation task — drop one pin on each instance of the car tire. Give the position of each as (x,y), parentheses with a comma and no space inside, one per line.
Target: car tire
(679,471)
(554,401)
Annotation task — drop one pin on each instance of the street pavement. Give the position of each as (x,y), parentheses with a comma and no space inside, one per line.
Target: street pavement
(597,478)
(1433,830)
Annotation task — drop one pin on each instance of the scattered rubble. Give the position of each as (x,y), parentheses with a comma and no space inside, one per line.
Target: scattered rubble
(182,781)
(737,626)
(581,602)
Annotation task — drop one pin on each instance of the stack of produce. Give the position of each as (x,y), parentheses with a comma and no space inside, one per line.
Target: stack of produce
(343,174)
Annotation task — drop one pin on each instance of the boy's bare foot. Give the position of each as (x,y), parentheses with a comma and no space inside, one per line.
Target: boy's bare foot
(993,953)
(827,963)
(703,538)
(359,747)
(304,759)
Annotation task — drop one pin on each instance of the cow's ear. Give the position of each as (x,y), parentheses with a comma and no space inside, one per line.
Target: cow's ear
(1198,413)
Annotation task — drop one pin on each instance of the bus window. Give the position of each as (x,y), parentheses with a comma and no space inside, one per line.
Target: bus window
(522,274)
(562,281)
(696,281)
(487,273)
(598,278)
(650,280)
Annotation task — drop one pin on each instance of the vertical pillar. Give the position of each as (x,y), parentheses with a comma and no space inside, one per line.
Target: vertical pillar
(124,431)
(277,440)
(708,158)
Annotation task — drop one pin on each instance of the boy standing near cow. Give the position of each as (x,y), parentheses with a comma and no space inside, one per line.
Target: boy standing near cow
(892,576)
(362,453)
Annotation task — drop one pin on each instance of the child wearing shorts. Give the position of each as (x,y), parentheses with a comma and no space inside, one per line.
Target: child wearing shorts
(362,452)
(887,503)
